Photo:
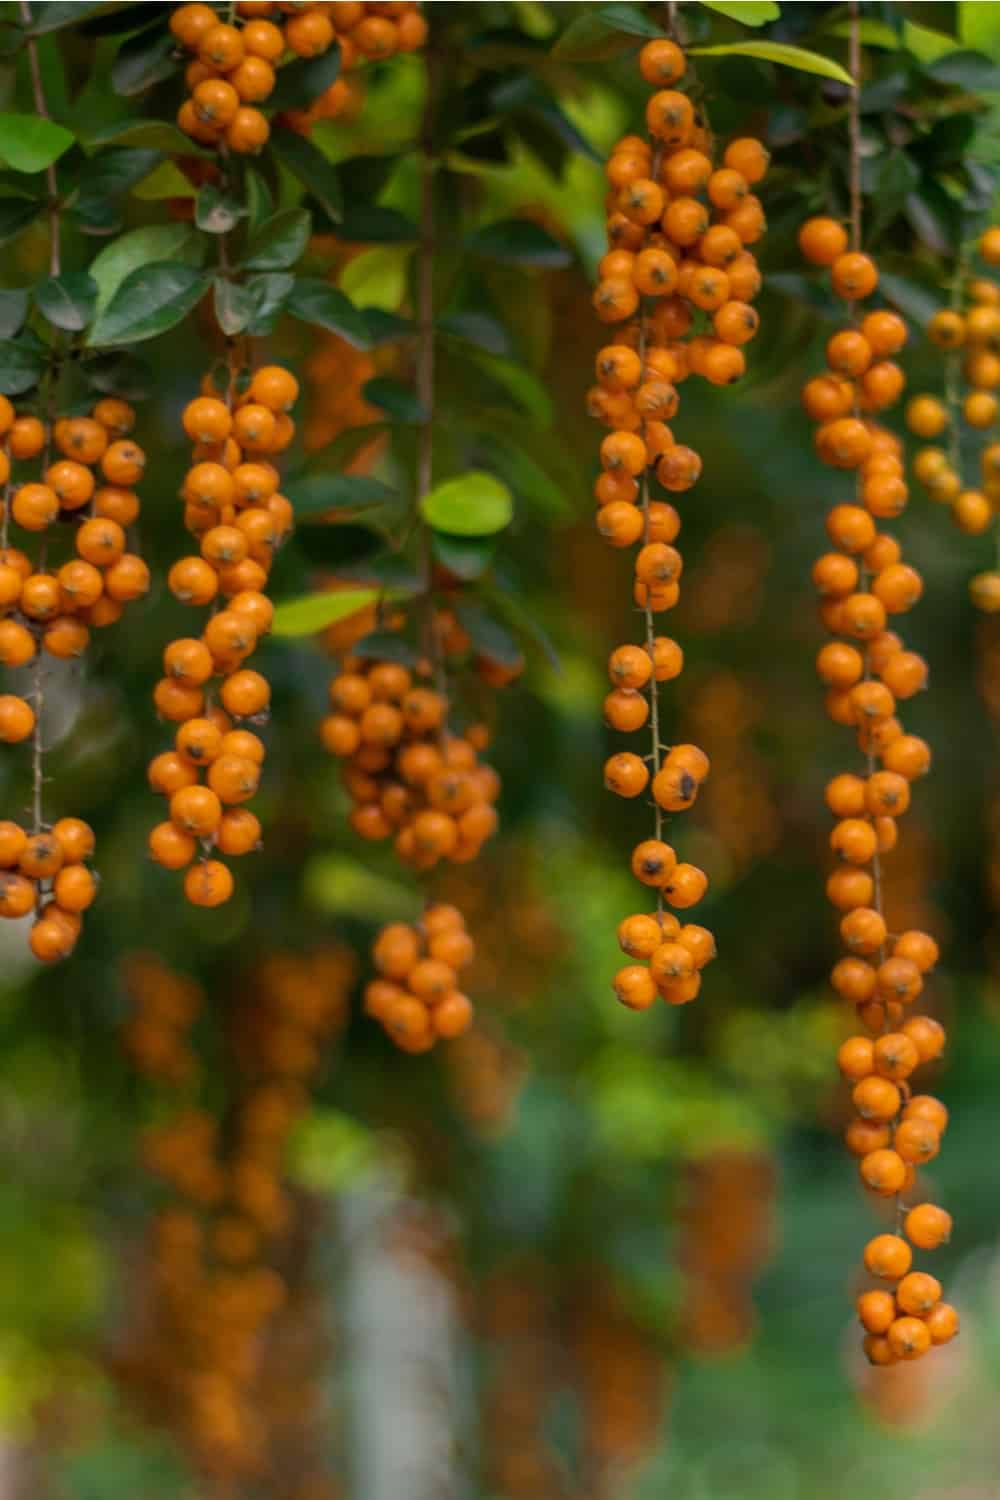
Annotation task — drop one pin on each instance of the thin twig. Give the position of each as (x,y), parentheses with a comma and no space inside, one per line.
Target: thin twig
(854,122)
(41,109)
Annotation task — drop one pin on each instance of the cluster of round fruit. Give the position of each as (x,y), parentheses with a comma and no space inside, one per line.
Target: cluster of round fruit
(232,504)
(237,58)
(89,487)
(911,1319)
(44,872)
(409,776)
(164,1007)
(416,996)
(669,958)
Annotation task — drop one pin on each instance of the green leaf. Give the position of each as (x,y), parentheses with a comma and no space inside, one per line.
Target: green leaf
(56,14)
(143,60)
(377,278)
(979,25)
(467,558)
(153,135)
(395,398)
(488,636)
(374,223)
(926,45)
(783,54)
(16,214)
(13,311)
(270,291)
(748,12)
(154,242)
(216,212)
(119,374)
(313,612)
(30,144)
(149,301)
(300,82)
(21,368)
(473,504)
(320,494)
(279,242)
(313,300)
(67,301)
(260,203)
(165,181)
(315,171)
(506,601)
(518,242)
(604,32)
(234,303)
(967,70)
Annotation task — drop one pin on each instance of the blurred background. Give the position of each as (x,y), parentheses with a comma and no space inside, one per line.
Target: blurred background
(580,1252)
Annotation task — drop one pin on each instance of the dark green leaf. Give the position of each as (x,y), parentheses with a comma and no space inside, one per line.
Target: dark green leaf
(13,311)
(216,212)
(313,300)
(385,327)
(140,247)
(395,398)
(897,177)
(388,645)
(143,60)
(152,135)
(528,102)
(604,32)
(473,504)
(30,144)
(349,443)
(466,557)
(16,214)
(362,178)
(108,174)
(21,368)
(149,302)
(519,242)
(747,12)
(234,305)
(319,494)
(488,636)
(371,223)
(120,374)
(55,14)
(260,203)
(315,171)
(302,81)
(279,242)
(506,601)
(968,70)
(269,292)
(476,328)
(67,301)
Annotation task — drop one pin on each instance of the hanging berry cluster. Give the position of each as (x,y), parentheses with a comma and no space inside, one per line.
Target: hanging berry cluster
(233,506)
(416,997)
(238,54)
(866,673)
(679,281)
(48,610)
(968,332)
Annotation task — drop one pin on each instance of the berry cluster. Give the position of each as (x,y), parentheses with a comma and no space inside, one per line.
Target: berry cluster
(416,997)
(236,61)
(410,778)
(679,280)
(861,583)
(233,505)
(48,611)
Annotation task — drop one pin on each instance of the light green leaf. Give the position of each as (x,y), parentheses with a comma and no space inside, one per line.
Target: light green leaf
(603,32)
(927,45)
(377,278)
(473,504)
(313,612)
(165,181)
(155,242)
(151,300)
(979,25)
(30,144)
(783,54)
(748,12)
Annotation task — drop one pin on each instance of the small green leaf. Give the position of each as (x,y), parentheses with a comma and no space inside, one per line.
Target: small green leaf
(395,398)
(67,301)
(374,223)
(377,278)
(488,636)
(747,12)
(313,612)
(323,493)
(518,242)
(138,248)
(604,32)
(16,214)
(270,291)
(13,311)
(149,301)
(21,368)
(473,504)
(56,14)
(300,82)
(314,170)
(925,44)
(313,300)
(467,558)
(30,144)
(234,305)
(216,212)
(119,374)
(967,70)
(783,54)
(165,181)
(143,60)
(153,135)
(279,242)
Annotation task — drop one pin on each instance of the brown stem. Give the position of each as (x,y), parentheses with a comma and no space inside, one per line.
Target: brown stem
(854,122)
(41,109)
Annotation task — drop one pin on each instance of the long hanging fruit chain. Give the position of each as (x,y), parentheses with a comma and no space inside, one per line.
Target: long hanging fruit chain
(862,582)
(678,280)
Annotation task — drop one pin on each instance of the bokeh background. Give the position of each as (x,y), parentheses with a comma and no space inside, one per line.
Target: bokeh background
(581,1252)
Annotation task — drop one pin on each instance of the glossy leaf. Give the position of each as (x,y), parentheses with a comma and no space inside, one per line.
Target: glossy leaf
(143,60)
(320,494)
(67,301)
(967,70)
(747,12)
(165,181)
(303,80)
(489,637)
(783,55)
(395,398)
(314,300)
(154,242)
(30,144)
(234,304)
(603,32)
(279,242)
(473,504)
(119,374)
(314,170)
(467,558)
(518,242)
(16,214)
(21,367)
(56,14)
(270,291)
(150,301)
(13,311)
(313,612)
(153,135)
(216,212)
